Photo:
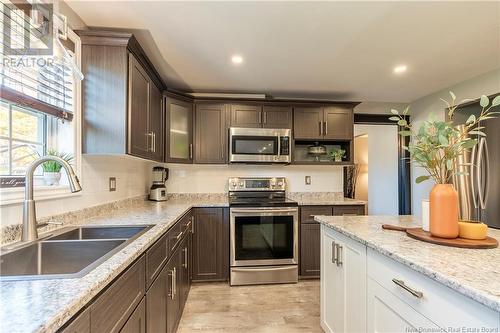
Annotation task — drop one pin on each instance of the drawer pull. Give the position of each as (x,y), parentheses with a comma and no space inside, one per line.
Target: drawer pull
(401,283)
(339,254)
(334,253)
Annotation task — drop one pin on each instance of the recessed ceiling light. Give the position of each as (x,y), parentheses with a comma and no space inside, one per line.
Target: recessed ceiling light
(400,69)
(237,59)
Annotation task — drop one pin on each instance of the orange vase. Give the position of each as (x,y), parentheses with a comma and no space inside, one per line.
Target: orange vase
(444,211)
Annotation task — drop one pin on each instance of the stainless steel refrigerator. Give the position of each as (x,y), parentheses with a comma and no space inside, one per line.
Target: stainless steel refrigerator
(479,190)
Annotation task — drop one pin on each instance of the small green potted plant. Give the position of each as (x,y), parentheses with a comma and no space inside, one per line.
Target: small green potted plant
(337,154)
(52,169)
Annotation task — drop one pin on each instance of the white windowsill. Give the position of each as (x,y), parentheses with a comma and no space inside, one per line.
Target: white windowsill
(12,196)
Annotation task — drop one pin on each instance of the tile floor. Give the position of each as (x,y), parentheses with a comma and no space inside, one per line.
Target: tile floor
(216,307)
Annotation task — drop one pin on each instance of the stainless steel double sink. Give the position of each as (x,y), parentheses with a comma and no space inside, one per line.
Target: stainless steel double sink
(70,253)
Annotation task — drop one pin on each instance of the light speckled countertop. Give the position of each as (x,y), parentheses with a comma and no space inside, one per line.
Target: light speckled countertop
(472,272)
(45,305)
(323,199)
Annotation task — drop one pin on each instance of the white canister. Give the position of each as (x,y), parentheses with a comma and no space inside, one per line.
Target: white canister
(425,214)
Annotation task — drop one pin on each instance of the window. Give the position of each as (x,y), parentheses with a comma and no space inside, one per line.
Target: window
(39,103)
(23,137)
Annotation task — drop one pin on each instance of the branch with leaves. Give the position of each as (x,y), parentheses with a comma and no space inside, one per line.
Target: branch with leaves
(436,145)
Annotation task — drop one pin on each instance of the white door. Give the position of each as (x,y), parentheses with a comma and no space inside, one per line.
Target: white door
(387,313)
(376,152)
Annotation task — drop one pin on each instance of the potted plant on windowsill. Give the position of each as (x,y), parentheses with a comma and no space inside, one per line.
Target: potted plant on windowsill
(52,169)
(435,147)
(337,154)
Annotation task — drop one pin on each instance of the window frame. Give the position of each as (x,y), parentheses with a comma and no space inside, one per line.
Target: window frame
(9,196)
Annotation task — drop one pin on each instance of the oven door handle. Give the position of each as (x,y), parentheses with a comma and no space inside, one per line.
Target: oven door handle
(264,210)
(253,269)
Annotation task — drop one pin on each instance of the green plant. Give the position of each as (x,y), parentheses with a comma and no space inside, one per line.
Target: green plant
(52,166)
(436,144)
(337,153)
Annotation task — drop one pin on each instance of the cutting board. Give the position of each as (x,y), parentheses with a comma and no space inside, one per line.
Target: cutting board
(418,233)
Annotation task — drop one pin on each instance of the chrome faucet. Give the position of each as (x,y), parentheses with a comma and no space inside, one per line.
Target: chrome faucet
(30,232)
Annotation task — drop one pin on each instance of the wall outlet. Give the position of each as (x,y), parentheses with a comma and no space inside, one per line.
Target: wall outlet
(308,180)
(112,184)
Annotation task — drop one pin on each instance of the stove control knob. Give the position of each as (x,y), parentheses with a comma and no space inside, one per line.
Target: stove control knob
(233,184)
(241,184)
(280,184)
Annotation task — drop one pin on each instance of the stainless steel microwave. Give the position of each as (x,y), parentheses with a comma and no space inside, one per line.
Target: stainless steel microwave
(259,145)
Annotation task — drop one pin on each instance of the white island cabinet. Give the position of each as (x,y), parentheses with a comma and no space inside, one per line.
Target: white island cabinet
(343,283)
(363,290)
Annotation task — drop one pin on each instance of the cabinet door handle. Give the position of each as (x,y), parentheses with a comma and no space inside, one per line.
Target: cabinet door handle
(172,274)
(339,254)
(192,221)
(150,140)
(154,142)
(401,283)
(334,253)
(185,264)
(175,281)
(265,117)
(320,128)
(325,124)
(190,151)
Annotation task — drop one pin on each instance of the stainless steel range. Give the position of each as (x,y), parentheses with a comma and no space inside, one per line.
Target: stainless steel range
(263,232)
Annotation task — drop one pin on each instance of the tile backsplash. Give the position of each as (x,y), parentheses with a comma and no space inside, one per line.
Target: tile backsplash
(133,178)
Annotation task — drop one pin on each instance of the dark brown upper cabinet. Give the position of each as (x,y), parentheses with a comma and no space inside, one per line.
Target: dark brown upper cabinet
(179,131)
(258,116)
(323,123)
(156,123)
(210,133)
(308,122)
(338,123)
(276,116)
(246,115)
(121,97)
(145,114)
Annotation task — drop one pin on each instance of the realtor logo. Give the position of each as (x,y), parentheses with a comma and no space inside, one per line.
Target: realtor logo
(27,29)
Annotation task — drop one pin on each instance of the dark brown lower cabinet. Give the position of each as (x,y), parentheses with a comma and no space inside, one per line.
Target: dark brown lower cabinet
(167,295)
(310,250)
(210,244)
(310,235)
(173,292)
(136,323)
(156,303)
(81,324)
(113,307)
(184,271)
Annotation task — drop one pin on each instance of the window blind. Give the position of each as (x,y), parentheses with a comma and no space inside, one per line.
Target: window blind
(37,81)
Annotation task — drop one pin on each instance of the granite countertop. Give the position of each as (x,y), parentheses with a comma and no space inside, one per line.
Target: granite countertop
(330,202)
(323,199)
(45,305)
(474,273)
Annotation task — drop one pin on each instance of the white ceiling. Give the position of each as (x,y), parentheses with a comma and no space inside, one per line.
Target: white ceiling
(339,50)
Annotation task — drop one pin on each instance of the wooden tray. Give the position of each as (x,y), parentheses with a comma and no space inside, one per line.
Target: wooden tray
(418,233)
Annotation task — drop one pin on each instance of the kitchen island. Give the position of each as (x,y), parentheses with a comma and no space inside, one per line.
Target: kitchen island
(381,280)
